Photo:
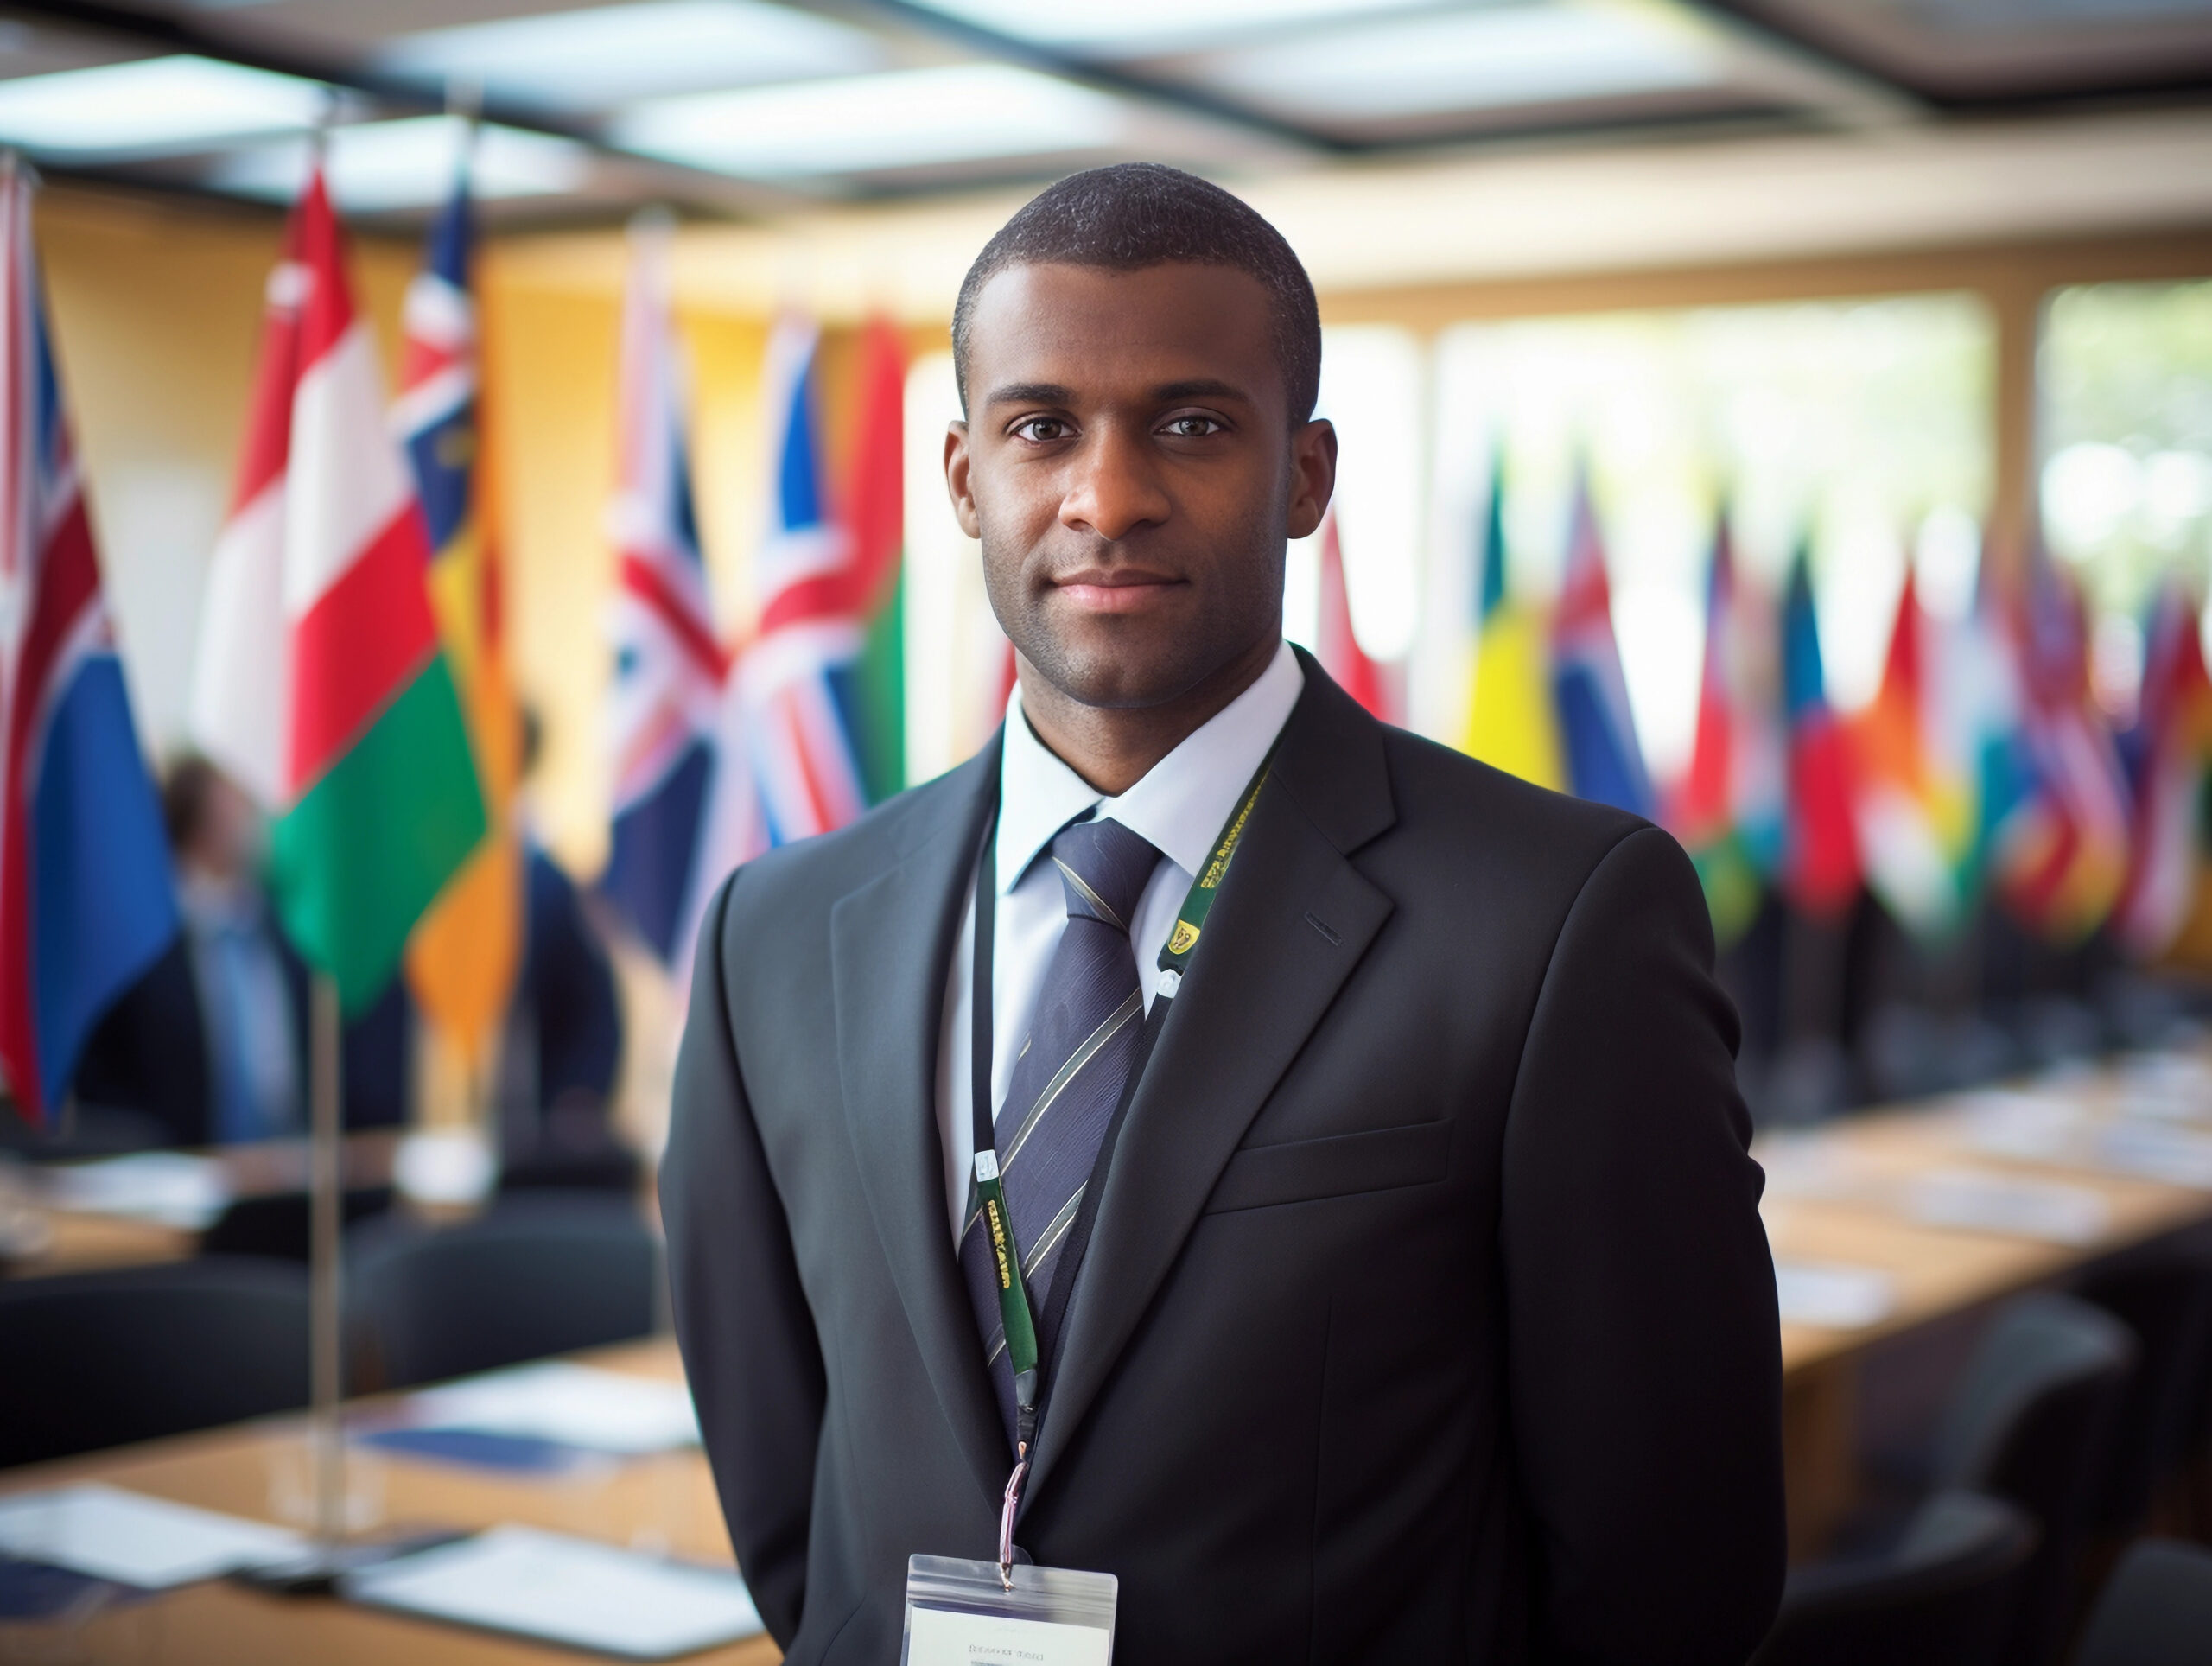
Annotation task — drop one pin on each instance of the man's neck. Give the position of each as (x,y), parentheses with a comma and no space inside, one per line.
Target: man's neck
(1114,748)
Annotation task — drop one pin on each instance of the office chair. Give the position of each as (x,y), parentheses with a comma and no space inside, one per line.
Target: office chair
(2165,1298)
(2031,1422)
(543,1274)
(102,1359)
(1942,1596)
(2155,1610)
(279,1223)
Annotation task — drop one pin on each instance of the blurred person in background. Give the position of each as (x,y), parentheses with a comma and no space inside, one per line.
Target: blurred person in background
(210,1046)
(563,1040)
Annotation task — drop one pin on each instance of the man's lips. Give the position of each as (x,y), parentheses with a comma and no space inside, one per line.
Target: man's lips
(1113,592)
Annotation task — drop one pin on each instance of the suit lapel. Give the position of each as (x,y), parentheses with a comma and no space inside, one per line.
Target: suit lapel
(1262,981)
(890,942)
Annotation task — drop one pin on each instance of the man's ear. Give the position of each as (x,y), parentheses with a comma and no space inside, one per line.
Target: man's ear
(956,483)
(1313,476)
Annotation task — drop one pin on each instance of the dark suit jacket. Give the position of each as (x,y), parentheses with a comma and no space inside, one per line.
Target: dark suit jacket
(149,1052)
(1427,1315)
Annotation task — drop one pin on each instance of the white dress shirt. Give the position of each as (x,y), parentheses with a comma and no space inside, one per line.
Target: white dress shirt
(1180,805)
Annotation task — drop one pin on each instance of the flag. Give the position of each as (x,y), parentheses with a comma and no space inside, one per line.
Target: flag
(1820,854)
(2061,857)
(685,807)
(798,676)
(1599,731)
(2172,742)
(1728,808)
(1509,719)
(321,684)
(1341,655)
(86,902)
(875,522)
(461,960)
(1912,788)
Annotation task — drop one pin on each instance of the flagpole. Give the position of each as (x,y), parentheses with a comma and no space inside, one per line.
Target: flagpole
(325,1244)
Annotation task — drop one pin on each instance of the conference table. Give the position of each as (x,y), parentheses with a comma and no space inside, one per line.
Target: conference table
(1913,1216)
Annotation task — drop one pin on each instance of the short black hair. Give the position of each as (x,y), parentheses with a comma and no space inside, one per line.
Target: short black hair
(1136,214)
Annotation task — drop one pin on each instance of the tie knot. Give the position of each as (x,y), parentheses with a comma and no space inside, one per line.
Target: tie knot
(1103,868)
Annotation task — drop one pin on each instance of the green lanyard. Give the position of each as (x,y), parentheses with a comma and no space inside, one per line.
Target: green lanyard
(1021,1323)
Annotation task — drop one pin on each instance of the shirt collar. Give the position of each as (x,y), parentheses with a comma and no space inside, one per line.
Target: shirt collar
(1181,803)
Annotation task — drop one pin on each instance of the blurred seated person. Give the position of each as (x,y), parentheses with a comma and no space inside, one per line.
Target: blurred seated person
(563,1040)
(211,1044)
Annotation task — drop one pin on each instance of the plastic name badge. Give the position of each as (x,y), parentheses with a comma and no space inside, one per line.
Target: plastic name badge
(962,1613)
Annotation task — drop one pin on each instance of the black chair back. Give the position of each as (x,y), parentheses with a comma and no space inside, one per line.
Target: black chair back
(540,1275)
(2166,1298)
(2155,1610)
(1941,1596)
(2031,1423)
(101,1360)
(279,1223)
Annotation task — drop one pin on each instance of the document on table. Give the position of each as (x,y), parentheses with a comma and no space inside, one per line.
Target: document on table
(564,1405)
(170,1188)
(2158,1151)
(1978,1201)
(567,1591)
(135,1540)
(1832,1294)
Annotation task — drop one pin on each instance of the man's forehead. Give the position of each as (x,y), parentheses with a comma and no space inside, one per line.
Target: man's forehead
(1171,323)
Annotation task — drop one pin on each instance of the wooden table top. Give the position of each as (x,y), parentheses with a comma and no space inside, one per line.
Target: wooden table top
(80,1241)
(1842,1194)
(664,1502)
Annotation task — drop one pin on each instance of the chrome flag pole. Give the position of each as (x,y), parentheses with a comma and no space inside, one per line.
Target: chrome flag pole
(325,1285)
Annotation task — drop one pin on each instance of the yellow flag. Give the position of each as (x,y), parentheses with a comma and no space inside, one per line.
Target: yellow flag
(1510,722)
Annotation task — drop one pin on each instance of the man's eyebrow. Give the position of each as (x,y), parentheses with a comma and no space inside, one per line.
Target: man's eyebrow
(1031,393)
(1202,388)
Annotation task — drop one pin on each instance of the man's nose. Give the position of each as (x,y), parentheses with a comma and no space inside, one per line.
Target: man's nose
(1116,486)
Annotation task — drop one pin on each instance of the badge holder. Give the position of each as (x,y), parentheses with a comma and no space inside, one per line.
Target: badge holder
(960,1612)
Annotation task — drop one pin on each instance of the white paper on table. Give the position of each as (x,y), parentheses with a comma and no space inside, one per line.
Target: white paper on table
(136,1540)
(2170,1086)
(170,1188)
(2023,1125)
(566,1405)
(2158,1151)
(2053,1211)
(1832,1294)
(567,1591)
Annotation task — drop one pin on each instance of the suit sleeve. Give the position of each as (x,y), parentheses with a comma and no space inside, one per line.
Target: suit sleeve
(747,1335)
(1645,1360)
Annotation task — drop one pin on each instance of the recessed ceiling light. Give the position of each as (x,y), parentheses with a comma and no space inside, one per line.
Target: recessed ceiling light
(374,166)
(1136,29)
(909,118)
(152,106)
(610,56)
(1490,58)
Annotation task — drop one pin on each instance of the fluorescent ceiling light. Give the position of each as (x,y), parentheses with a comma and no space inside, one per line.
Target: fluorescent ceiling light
(378,166)
(1469,60)
(1136,29)
(153,106)
(910,118)
(611,55)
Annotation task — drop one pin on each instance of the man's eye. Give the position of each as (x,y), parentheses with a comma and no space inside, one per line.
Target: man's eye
(1193,428)
(1041,429)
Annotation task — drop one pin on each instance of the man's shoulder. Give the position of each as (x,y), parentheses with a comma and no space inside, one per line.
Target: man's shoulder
(1464,806)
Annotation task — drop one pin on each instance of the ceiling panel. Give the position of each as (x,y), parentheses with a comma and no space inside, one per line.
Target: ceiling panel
(604,56)
(2005,51)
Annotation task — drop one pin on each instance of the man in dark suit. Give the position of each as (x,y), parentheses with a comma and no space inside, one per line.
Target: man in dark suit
(1414,1305)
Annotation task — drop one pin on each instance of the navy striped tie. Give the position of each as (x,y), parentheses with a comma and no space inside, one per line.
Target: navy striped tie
(1069,1077)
